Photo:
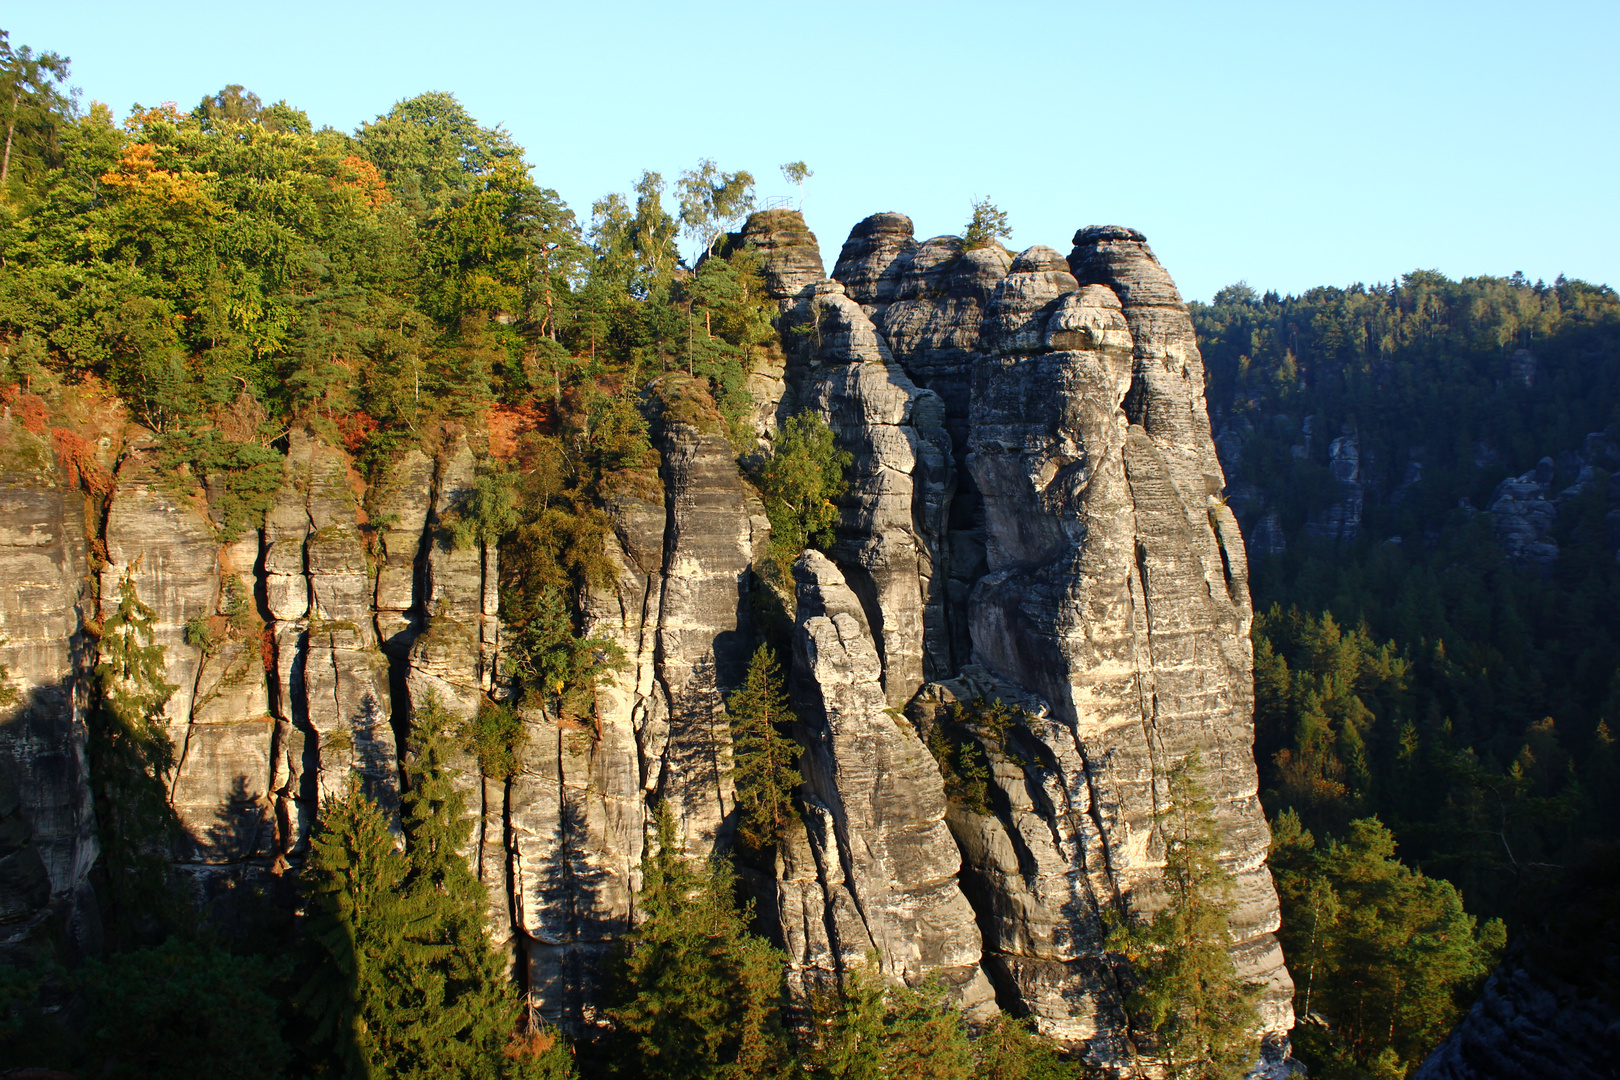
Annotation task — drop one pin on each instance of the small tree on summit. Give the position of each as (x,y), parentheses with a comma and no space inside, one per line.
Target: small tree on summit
(1187,992)
(796,173)
(987,226)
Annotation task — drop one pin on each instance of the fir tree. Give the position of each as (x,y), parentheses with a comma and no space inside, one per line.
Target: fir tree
(361,920)
(867,1031)
(405,982)
(1200,1016)
(1008,1049)
(763,756)
(695,996)
(131,758)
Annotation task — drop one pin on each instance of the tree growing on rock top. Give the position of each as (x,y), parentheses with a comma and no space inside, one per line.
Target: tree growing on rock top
(1198,1015)
(796,173)
(987,226)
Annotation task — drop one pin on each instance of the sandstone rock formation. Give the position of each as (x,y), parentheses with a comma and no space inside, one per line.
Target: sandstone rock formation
(47,826)
(1033,515)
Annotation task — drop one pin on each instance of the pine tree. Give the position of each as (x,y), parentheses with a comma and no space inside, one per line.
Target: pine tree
(867,1030)
(1008,1049)
(405,983)
(476,1011)
(131,758)
(763,756)
(361,921)
(695,996)
(1200,1016)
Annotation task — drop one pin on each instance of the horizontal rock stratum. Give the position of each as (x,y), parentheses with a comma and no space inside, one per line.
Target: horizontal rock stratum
(1034,515)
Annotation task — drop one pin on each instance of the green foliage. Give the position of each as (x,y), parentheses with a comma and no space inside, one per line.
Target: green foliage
(197,634)
(1383,957)
(959,742)
(181,1010)
(1008,1049)
(728,319)
(33,106)
(693,994)
(168,1011)
(711,200)
(556,551)
(764,755)
(487,511)
(796,173)
(131,758)
(403,981)
(495,737)
(1190,1003)
(799,481)
(870,1029)
(431,149)
(964,765)
(1458,697)
(987,227)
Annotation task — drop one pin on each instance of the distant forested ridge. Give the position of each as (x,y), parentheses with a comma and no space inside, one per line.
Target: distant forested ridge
(1428,476)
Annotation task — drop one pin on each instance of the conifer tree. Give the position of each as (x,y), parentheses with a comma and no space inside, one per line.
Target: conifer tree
(1379,950)
(361,919)
(1200,1016)
(405,982)
(868,1030)
(695,995)
(763,756)
(131,758)
(1008,1049)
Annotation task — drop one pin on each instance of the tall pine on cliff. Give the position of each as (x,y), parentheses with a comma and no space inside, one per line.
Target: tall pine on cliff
(405,982)
(695,996)
(764,756)
(131,758)
(1198,1014)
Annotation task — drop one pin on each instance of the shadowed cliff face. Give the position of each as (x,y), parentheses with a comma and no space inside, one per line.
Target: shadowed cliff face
(1033,515)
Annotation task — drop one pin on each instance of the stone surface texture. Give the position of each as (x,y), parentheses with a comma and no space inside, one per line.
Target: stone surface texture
(1034,514)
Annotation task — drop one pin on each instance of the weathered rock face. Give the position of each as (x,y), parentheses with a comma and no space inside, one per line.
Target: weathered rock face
(1094,577)
(47,826)
(875,809)
(1530,1027)
(1033,515)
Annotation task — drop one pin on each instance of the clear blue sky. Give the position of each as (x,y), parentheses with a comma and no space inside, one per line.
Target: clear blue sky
(1291,144)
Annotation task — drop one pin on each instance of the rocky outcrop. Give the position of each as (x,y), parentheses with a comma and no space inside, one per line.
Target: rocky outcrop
(1093,575)
(161,538)
(1523,516)
(1527,1027)
(875,808)
(1550,1009)
(1034,514)
(1341,520)
(47,824)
